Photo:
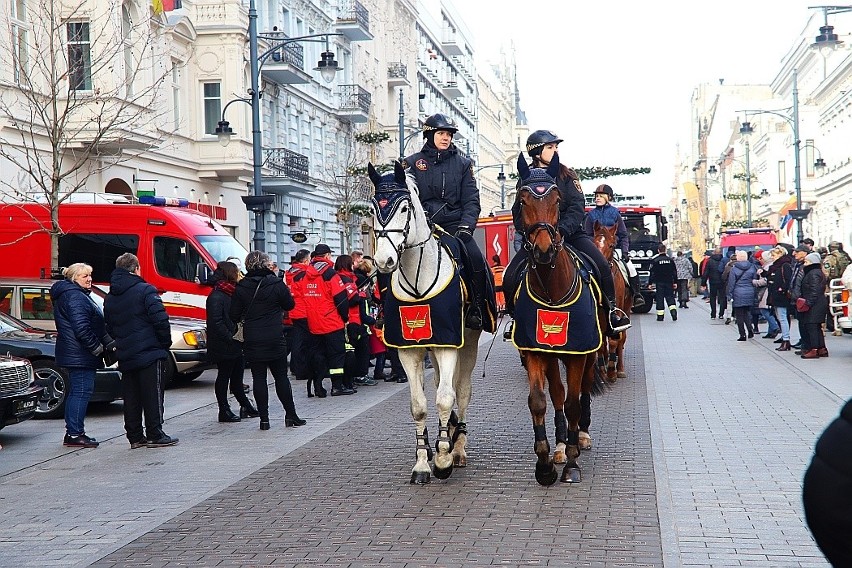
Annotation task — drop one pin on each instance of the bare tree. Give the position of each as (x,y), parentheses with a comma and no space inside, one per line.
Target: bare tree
(83,93)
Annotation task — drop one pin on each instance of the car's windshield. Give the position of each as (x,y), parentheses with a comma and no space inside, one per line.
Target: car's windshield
(8,323)
(221,247)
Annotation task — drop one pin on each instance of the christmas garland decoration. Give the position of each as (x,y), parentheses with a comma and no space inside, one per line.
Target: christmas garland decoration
(743,223)
(372,137)
(597,172)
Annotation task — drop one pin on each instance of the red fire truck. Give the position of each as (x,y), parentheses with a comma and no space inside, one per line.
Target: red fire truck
(646,226)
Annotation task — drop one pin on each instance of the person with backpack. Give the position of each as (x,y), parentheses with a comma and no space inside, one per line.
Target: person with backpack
(711,280)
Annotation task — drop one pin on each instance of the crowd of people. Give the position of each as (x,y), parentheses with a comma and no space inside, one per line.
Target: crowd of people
(780,286)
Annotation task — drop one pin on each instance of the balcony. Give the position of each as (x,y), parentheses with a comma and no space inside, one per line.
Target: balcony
(451,45)
(398,75)
(452,90)
(286,66)
(355,103)
(353,21)
(288,171)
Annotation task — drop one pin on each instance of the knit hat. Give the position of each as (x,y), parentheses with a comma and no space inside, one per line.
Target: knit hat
(320,250)
(813,258)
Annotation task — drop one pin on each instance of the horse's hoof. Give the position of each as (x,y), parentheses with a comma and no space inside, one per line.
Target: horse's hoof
(443,473)
(419,477)
(559,457)
(585,441)
(571,475)
(460,461)
(621,375)
(545,474)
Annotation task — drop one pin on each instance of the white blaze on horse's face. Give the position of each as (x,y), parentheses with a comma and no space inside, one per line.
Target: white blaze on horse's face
(389,247)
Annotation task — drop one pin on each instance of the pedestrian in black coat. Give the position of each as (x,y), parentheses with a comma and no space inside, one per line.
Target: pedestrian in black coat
(136,318)
(260,300)
(812,306)
(827,490)
(223,349)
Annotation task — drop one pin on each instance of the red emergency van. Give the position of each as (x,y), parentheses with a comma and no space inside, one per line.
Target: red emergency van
(177,247)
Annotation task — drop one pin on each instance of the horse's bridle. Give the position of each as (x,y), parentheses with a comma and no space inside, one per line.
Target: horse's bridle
(556,240)
(386,204)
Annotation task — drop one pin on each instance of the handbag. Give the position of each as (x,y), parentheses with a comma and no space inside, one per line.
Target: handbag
(802,305)
(238,334)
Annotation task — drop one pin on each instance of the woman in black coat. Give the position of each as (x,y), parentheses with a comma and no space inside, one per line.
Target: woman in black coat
(812,307)
(827,490)
(260,300)
(223,349)
(777,286)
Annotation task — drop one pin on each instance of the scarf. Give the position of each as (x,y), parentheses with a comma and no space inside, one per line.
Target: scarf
(226,287)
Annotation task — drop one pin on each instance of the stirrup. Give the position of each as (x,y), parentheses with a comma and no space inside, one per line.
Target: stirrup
(613,313)
(638,300)
(507,331)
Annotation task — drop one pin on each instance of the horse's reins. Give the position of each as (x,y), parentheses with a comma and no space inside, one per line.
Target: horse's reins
(558,245)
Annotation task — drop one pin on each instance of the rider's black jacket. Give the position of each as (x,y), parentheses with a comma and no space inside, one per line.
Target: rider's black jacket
(447,188)
(572,205)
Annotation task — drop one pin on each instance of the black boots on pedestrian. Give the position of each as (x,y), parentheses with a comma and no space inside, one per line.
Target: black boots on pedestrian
(339,389)
(225,415)
(785,346)
(248,411)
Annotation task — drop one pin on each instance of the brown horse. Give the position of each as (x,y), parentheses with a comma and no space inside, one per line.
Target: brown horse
(613,349)
(553,279)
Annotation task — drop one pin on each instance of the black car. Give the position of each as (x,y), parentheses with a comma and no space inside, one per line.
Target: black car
(39,347)
(18,392)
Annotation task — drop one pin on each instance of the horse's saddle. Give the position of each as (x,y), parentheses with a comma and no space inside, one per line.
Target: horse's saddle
(488,309)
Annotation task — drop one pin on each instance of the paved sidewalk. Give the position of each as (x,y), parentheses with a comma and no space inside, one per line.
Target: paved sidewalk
(697,461)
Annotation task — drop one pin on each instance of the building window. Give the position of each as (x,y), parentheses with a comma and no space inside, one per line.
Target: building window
(810,171)
(79,57)
(127,47)
(782,176)
(176,94)
(20,53)
(212,107)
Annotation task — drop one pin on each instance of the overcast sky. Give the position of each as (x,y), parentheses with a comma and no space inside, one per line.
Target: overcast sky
(614,78)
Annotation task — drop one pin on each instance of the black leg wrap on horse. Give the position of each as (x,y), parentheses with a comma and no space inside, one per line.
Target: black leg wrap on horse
(423,444)
(573,438)
(454,419)
(561,426)
(461,428)
(585,411)
(540,433)
(613,357)
(443,436)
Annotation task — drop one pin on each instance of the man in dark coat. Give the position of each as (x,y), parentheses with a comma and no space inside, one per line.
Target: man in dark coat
(827,490)
(664,277)
(450,198)
(136,319)
(711,280)
(812,307)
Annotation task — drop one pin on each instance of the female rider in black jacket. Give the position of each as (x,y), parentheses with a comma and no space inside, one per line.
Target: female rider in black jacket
(541,146)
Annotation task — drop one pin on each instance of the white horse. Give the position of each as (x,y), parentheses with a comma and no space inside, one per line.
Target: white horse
(419,266)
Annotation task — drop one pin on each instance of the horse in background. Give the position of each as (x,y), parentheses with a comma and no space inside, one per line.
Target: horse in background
(423,271)
(544,316)
(611,354)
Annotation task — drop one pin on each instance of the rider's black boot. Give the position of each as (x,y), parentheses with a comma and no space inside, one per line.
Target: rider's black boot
(473,319)
(635,287)
(618,320)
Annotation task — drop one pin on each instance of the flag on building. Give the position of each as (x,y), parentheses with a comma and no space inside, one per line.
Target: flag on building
(161,6)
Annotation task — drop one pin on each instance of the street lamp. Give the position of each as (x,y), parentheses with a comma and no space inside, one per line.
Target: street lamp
(501,177)
(798,213)
(327,66)
(827,41)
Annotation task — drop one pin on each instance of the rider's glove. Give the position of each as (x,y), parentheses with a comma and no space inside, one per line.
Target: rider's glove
(464,233)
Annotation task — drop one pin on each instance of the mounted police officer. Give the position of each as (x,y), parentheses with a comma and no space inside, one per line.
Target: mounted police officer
(450,198)
(541,146)
(609,216)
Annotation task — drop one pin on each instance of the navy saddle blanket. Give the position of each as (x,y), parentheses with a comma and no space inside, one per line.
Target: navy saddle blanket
(488,307)
(434,321)
(570,328)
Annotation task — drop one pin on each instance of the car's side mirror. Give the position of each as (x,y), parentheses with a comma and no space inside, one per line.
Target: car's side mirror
(202,272)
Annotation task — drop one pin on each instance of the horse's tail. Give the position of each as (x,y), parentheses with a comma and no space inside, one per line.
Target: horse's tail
(600,384)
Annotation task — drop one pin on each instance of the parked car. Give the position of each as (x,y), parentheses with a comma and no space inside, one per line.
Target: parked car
(28,299)
(39,347)
(19,395)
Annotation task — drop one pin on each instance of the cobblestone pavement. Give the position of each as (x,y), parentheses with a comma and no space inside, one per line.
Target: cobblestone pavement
(697,461)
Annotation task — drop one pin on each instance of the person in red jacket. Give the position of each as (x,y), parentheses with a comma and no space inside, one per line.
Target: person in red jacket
(327,305)
(358,357)
(301,341)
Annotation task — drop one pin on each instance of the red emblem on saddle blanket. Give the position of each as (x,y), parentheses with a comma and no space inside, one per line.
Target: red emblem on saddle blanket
(551,328)
(416,322)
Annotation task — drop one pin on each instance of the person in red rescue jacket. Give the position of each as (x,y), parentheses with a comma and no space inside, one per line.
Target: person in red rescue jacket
(327,306)
(301,341)
(358,358)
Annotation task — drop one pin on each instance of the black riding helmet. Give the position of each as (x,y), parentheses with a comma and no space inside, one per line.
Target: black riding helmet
(605,189)
(538,139)
(438,122)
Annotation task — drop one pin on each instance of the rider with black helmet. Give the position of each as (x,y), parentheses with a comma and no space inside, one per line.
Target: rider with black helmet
(609,216)
(450,198)
(541,145)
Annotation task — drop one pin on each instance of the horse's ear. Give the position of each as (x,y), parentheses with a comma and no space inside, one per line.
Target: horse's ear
(399,173)
(374,175)
(523,167)
(553,168)
(597,226)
